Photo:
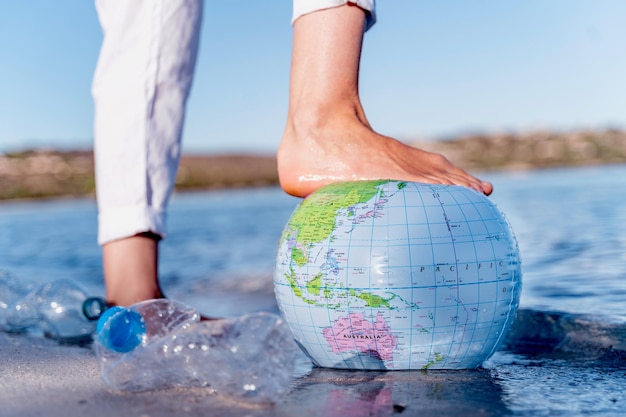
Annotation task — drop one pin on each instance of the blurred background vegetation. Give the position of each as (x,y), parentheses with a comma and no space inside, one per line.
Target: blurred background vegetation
(43,173)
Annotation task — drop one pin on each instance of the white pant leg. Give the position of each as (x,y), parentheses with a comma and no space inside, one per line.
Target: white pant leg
(140,87)
(302,7)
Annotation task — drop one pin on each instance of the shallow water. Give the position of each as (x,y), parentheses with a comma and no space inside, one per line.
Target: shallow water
(571,226)
(566,354)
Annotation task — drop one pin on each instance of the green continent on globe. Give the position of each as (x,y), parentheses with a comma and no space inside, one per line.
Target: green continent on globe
(339,294)
(312,224)
(315,219)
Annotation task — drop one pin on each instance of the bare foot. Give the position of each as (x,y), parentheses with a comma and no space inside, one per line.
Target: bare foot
(342,147)
(327,137)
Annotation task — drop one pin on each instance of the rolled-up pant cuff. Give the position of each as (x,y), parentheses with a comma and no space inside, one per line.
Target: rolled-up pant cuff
(124,222)
(302,7)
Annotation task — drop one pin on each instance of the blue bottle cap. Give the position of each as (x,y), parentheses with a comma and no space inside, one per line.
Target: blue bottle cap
(121,329)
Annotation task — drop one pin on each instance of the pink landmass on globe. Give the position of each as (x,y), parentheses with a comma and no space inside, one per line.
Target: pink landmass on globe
(354,332)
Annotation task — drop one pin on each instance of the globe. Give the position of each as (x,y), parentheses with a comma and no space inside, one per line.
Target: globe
(396,275)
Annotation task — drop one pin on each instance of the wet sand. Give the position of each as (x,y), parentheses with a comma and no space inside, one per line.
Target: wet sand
(39,377)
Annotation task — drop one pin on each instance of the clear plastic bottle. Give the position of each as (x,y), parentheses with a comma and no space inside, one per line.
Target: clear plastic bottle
(61,309)
(11,290)
(163,344)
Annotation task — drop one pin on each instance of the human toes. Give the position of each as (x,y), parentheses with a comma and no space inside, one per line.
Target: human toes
(482,187)
(466,180)
(487,187)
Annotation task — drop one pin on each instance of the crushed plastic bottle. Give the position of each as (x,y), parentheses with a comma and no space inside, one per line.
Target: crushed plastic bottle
(11,290)
(61,309)
(160,344)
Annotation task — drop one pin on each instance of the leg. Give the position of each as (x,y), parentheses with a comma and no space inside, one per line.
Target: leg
(327,137)
(140,88)
(131,270)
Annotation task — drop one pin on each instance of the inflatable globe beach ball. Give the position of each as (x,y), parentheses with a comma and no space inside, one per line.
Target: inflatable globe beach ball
(393,275)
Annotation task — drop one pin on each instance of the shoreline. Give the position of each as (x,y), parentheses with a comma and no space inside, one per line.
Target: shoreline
(40,174)
(42,377)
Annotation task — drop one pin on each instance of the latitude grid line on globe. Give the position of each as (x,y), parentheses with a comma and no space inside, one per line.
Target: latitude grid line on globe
(470,327)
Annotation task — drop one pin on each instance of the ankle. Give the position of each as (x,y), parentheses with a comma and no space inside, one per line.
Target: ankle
(310,119)
(127,296)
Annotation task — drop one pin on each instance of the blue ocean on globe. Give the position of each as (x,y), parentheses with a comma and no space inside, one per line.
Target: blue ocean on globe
(398,275)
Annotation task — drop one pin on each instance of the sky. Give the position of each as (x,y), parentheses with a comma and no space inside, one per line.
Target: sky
(430,70)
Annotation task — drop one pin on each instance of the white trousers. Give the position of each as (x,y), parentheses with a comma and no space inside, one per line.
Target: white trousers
(140,87)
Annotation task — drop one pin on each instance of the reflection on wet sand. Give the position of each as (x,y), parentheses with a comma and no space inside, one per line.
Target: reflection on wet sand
(335,393)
